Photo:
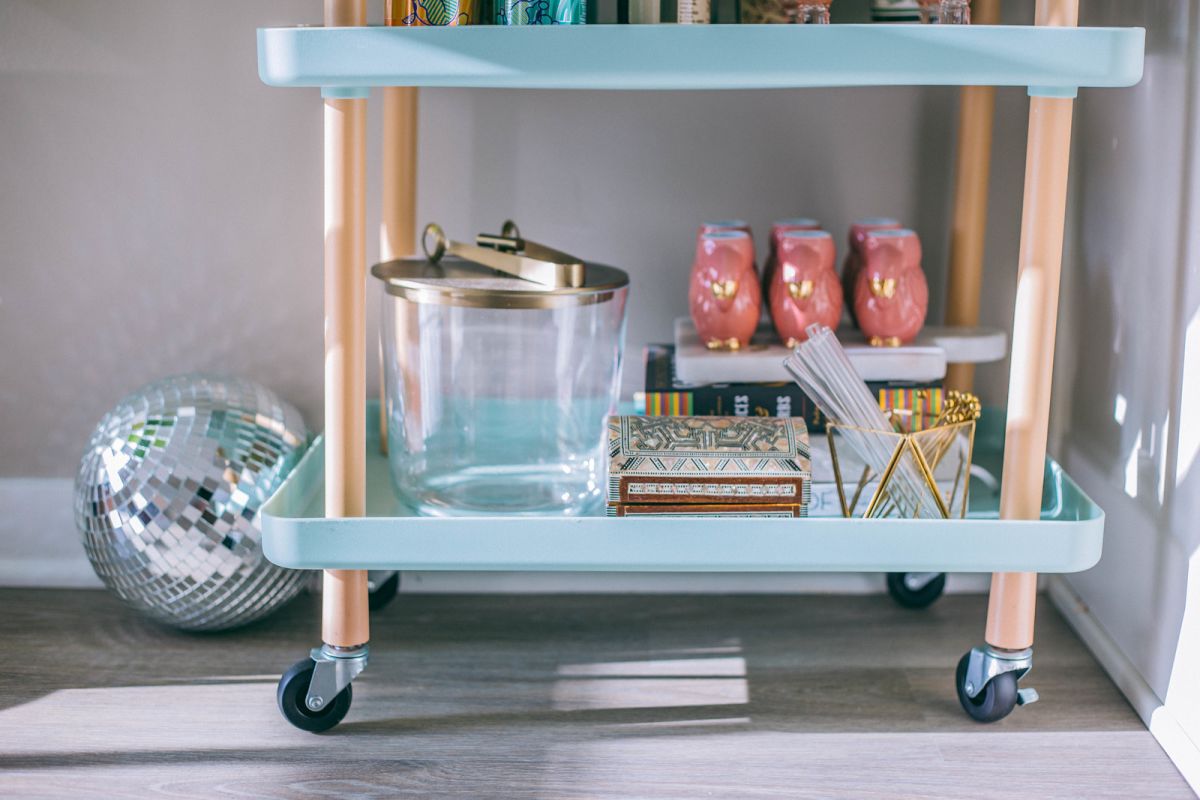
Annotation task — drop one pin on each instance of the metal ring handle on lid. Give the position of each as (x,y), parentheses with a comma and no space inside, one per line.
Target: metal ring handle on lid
(510,254)
(439,239)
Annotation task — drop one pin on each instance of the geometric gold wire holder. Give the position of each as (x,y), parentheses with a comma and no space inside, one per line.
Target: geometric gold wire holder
(907,487)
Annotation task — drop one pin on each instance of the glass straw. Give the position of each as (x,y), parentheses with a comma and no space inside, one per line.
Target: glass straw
(822,369)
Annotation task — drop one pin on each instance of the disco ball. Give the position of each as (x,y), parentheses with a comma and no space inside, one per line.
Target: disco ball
(167,499)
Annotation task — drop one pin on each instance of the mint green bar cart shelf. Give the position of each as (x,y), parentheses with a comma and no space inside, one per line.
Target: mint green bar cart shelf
(1050,61)
(1068,538)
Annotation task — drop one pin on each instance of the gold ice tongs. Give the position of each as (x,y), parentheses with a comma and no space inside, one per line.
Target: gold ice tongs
(510,254)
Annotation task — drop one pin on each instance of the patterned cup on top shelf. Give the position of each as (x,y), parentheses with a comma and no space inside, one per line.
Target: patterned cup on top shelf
(805,289)
(854,257)
(891,296)
(541,12)
(439,13)
(723,294)
(946,12)
(803,12)
(778,229)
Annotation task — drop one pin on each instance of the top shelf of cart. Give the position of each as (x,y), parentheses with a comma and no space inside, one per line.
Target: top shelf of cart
(1049,61)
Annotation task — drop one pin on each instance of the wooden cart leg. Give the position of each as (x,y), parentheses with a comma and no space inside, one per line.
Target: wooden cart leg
(315,693)
(344,600)
(1011,606)
(969,228)
(987,677)
(398,215)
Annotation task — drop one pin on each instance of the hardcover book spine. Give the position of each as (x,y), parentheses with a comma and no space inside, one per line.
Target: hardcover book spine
(745,511)
(757,400)
(745,400)
(924,402)
(653,489)
(664,398)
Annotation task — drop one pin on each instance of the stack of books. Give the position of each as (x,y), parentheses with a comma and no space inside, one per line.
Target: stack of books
(708,466)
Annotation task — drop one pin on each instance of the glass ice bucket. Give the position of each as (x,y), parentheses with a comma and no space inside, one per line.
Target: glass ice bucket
(498,388)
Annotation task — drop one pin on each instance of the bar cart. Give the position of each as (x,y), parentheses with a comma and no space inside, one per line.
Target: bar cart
(337,512)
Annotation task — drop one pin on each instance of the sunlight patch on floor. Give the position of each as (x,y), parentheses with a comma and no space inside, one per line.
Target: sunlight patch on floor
(651,683)
(660,668)
(214,715)
(900,764)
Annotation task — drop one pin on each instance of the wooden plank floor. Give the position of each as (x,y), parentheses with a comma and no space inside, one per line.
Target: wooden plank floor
(560,697)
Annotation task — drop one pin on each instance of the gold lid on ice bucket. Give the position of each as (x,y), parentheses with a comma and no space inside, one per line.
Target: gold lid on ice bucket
(503,271)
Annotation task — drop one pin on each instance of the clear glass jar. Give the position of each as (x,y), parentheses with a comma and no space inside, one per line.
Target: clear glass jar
(946,12)
(498,391)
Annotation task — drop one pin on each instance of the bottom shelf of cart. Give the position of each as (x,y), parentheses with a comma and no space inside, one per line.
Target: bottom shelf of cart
(1068,537)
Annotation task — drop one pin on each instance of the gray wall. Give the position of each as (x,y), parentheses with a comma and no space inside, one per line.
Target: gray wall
(1127,390)
(160,209)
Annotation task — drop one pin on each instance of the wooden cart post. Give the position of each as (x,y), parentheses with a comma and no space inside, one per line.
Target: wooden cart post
(1014,595)
(344,600)
(398,220)
(969,228)
(398,212)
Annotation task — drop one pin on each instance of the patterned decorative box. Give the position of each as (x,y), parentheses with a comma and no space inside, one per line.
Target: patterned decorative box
(742,510)
(674,460)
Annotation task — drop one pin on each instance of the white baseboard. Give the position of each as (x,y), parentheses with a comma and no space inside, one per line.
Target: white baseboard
(664,583)
(39,547)
(1180,748)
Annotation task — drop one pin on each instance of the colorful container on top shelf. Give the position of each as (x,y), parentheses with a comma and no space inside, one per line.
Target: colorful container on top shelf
(439,13)
(803,12)
(895,11)
(541,12)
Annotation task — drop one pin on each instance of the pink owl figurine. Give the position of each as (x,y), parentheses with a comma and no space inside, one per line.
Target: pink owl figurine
(891,296)
(854,258)
(777,230)
(717,226)
(805,288)
(724,295)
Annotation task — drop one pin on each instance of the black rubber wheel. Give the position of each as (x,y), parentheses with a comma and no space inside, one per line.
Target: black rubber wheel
(293,687)
(921,597)
(382,595)
(995,702)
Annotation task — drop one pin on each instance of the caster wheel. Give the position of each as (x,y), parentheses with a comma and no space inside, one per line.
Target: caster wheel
(995,702)
(382,594)
(293,687)
(916,589)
